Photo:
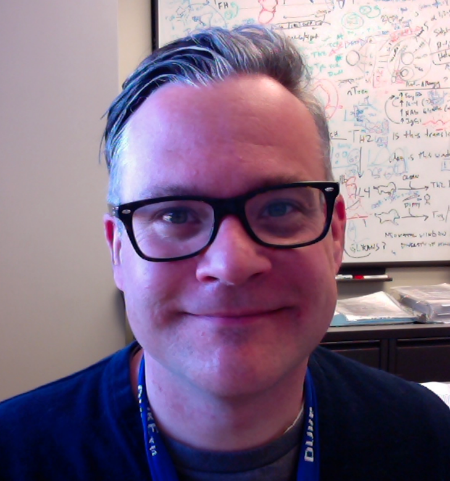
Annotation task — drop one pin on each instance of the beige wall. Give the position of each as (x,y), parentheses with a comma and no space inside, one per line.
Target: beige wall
(134,35)
(60,67)
(134,45)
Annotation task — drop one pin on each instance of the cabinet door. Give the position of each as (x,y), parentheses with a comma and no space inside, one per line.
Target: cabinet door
(369,353)
(421,360)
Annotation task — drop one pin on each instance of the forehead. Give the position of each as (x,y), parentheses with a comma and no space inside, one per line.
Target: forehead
(218,140)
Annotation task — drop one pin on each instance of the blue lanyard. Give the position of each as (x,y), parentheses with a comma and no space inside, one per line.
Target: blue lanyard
(163,469)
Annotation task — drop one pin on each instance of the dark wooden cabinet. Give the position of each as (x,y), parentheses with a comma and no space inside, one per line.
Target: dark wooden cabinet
(417,352)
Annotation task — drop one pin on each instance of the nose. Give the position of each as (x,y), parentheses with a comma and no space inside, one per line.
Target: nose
(233,257)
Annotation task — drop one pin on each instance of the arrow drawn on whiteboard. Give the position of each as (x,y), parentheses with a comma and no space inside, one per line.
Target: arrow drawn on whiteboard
(425,217)
(413,188)
(390,216)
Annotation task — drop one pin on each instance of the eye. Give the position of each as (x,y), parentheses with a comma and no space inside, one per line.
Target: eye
(176,216)
(278,209)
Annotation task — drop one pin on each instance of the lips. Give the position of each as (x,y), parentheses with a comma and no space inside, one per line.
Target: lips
(240,317)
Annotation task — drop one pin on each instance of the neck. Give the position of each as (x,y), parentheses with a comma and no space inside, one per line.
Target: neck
(205,421)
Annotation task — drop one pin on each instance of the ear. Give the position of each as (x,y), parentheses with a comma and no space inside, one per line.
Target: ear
(114,241)
(338,231)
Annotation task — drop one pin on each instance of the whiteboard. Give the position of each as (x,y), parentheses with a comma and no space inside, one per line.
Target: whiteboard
(382,70)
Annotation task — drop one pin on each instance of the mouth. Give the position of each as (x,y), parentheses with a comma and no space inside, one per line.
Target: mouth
(238,317)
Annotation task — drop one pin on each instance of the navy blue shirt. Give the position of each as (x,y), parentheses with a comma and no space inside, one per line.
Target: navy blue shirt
(373,426)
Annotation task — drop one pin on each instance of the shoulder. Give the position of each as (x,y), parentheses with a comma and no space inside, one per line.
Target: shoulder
(64,415)
(394,428)
(352,380)
(59,394)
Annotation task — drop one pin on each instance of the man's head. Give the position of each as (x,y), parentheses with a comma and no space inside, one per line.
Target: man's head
(205,58)
(243,313)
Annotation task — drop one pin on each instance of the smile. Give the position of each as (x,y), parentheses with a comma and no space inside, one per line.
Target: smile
(238,317)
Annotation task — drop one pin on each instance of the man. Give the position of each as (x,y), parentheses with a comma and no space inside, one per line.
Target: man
(226,232)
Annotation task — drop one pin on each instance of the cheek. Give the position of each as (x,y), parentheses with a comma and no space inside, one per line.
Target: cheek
(144,279)
(315,279)
(149,298)
(151,289)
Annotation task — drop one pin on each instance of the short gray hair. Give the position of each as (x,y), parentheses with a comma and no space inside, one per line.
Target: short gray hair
(204,57)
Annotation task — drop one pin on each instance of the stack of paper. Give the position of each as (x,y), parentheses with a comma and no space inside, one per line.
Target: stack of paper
(430,303)
(378,308)
(442,389)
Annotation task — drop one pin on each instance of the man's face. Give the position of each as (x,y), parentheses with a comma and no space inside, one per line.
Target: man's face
(239,317)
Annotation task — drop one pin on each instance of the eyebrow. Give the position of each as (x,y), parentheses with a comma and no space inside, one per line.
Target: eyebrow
(182,190)
(167,191)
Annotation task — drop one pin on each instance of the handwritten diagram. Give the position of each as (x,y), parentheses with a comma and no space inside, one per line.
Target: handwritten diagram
(381,68)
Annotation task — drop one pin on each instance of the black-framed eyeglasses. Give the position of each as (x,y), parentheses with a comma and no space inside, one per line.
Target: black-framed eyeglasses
(178,227)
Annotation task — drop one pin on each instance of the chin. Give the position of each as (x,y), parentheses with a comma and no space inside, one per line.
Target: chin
(235,375)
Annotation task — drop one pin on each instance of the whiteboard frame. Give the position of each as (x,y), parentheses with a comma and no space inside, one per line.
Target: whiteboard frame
(358,265)
(154,21)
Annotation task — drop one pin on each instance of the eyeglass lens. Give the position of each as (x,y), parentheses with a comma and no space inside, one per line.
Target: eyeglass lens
(283,217)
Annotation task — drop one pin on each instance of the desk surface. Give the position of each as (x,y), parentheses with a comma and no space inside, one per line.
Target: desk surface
(387,331)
